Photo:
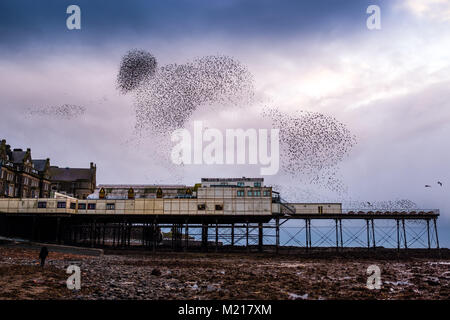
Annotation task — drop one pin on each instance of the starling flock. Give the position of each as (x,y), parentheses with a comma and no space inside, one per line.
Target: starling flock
(167,96)
(136,67)
(63,112)
(389,205)
(311,144)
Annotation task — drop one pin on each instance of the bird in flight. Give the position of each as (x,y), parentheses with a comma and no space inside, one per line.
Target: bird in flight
(439,183)
(427,186)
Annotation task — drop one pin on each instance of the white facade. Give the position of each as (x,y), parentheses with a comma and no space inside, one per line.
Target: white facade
(214,196)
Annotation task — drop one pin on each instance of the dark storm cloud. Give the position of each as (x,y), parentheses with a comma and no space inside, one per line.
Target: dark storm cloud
(25,21)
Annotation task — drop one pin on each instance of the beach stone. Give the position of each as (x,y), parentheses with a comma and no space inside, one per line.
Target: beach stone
(156,272)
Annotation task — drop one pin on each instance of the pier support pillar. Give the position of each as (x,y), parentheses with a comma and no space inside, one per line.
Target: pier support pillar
(277,234)
(130,227)
(205,236)
(155,235)
(232,235)
(398,235)
(103,234)
(337,234)
(373,234)
(58,230)
(186,235)
(246,237)
(33,229)
(260,237)
(308,234)
(436,232)
(404,234)
(217,236)
(368,234)
(172,236)
(91,233)
(113,235)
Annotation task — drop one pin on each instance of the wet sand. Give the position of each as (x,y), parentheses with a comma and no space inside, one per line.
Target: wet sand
(138,275)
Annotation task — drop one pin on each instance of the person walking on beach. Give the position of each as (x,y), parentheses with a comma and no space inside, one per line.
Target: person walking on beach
(43,255)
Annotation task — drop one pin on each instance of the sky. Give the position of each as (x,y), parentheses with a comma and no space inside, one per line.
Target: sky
(388,86)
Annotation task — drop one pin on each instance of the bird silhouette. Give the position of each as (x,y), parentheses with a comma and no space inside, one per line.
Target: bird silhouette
(427,186)
(439,183)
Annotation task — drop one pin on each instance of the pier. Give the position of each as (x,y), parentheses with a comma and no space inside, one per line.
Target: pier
(401,230)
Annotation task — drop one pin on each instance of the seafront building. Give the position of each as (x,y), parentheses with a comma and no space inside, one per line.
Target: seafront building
(21,176)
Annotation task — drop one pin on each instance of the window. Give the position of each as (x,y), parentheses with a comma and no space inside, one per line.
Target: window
(82,206)
(73,205)
(61,205)
(257,184)
(249,193)
(42,204)
(257,193)
(201,206)
(219,207)
(240,184)
(320,209)
(240,193)
(110,206)
(91,206)
(266,193)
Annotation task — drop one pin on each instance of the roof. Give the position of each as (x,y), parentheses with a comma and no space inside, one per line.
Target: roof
(17,156)
(70,174)
(39,165)
(231,179)
(140,186)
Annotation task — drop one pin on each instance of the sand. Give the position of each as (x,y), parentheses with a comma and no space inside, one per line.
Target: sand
(139,275)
